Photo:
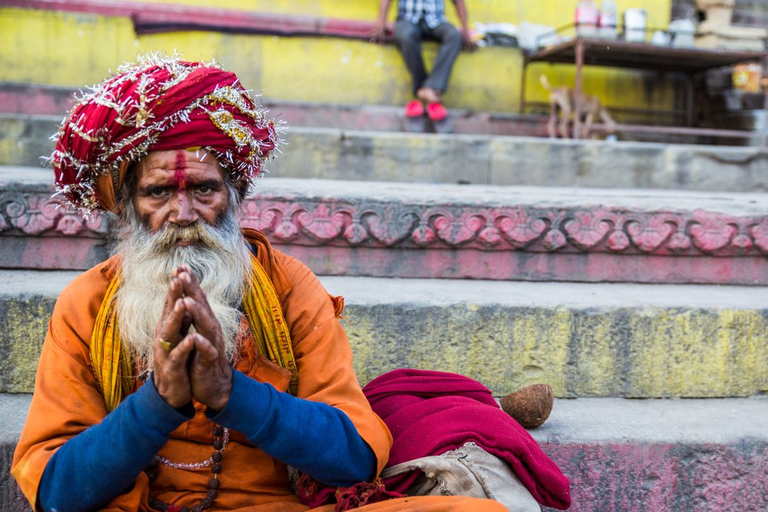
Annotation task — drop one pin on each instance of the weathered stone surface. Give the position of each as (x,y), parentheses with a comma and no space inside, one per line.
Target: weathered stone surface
(39,231)
(641,455)
(651,455)
(389,156)
(445,231)
(26,304)
(716,168)
(581,350)
(25,139)
(383,156)
(41,99)
(569,163)
(664,476)
(13,410)
(583,339)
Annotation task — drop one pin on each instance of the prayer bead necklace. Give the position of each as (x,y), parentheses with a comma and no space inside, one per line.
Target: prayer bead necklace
(220,440)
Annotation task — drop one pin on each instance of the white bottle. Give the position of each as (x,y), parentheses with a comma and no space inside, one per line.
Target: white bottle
(586,18)
(608,20)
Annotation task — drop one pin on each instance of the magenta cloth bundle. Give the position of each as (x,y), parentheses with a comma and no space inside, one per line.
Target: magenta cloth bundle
(430,413)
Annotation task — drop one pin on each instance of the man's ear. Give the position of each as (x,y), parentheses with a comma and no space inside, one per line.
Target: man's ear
(242,190)
(128,188)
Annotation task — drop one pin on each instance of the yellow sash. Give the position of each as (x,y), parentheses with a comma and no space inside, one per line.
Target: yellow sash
(112,365)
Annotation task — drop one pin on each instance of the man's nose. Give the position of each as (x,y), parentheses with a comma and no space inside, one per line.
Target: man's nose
(184,212)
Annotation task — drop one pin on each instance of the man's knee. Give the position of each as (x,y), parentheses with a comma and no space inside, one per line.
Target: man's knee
(407,33)
(449,35)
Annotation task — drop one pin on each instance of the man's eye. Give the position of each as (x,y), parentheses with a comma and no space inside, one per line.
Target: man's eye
(157,192)
(203,189)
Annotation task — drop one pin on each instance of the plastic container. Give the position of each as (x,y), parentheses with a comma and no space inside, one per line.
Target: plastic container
(586,18)
(635,25)
(747,77)
(608,20)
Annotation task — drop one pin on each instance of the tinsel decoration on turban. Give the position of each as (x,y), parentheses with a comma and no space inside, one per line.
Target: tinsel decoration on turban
(159,103)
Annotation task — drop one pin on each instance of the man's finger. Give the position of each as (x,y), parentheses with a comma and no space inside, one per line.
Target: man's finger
(179,354)
(205,321)
(176,358)
(175,290)
(169,328)
(206,352)
(192,287)
(170,373)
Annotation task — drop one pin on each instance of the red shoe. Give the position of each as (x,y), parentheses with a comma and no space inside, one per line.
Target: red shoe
(436,111)
(414,109)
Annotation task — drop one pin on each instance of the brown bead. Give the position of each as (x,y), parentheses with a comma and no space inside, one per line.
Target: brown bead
(217,456)
(216,468)
(212,493)
(206,503)
(184,509)
(155,504)
(218,444)
(197,508)
(214,483)
(218,431)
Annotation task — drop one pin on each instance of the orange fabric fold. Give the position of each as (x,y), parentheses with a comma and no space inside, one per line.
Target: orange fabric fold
(112,366)
(67,398)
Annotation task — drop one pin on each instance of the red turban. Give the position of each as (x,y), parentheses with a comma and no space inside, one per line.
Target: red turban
(156,104)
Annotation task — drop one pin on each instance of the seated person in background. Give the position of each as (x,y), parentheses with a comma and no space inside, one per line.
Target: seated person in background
(417,21)
(197,366)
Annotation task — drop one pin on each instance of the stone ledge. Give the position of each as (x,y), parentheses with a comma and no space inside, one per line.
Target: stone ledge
(479,159)
(444,231)
(672,455)
(584,339)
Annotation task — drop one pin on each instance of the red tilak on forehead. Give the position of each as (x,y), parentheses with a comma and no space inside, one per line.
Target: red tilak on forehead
(180,176)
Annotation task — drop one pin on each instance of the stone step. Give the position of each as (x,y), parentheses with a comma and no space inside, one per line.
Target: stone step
(385,229)
(48,100)
(13,409)
(671,455)
(478,159)
(43,99)
(586,340)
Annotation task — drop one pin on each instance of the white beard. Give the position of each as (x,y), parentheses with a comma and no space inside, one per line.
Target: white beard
(219,258)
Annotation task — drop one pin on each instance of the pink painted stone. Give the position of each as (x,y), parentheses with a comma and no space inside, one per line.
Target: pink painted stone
(664,477)
(649,233)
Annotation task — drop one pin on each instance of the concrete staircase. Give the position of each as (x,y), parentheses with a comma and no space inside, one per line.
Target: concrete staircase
(640,299)
(348,152)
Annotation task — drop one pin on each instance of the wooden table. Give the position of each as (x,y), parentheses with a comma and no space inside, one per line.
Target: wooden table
(691,62)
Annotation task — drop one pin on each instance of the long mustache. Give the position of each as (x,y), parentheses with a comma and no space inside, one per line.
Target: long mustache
(199,233)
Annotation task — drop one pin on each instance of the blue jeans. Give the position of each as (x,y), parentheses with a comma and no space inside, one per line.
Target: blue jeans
(409,37)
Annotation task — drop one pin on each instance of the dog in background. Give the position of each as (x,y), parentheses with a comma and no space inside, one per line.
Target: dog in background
(562,104)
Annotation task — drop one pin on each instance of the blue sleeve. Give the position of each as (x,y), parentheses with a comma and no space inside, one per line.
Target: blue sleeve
(313,437)
(105,459)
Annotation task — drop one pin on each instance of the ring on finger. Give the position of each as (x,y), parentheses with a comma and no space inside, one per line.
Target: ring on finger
(165,345)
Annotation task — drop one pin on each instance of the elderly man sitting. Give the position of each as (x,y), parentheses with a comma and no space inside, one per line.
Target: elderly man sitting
(198,365)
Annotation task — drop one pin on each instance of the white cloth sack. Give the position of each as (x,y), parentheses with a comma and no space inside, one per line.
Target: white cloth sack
(467,471)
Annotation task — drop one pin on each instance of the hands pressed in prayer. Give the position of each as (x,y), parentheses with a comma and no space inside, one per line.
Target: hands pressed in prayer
(210,371)
(169,369)
(196,366)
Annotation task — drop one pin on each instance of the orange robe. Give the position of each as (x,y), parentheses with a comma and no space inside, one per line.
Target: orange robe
(67,400)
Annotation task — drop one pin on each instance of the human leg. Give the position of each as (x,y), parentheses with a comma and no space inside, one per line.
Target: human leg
(408,38)
(450,46)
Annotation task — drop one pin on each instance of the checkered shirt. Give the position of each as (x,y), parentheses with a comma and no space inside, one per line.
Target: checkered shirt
(431,11)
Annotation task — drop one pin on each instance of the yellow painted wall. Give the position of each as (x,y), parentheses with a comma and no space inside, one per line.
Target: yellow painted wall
(76,49)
